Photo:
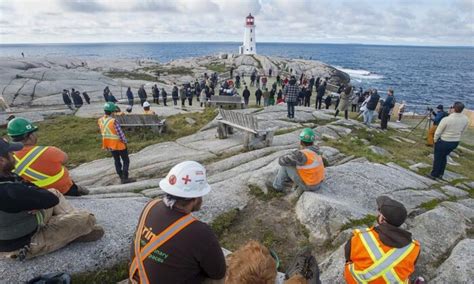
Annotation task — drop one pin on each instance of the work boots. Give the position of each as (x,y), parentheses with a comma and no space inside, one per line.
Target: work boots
(304,264)
(82,190)
(96,234)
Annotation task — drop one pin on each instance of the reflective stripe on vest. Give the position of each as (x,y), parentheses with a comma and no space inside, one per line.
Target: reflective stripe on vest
(384,262)
(313,164)
(22,167)
(157,241)
(105,129)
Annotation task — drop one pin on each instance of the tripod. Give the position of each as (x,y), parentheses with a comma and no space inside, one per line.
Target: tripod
(427,124)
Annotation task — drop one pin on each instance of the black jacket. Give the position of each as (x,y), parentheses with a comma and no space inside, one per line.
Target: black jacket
(18,195)
(321,90)
(258,93)
(372,103)
(246,94)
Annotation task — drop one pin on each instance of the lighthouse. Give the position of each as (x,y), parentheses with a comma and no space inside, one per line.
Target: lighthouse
(249,46)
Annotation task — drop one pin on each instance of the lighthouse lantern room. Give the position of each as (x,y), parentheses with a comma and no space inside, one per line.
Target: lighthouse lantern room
(249,46)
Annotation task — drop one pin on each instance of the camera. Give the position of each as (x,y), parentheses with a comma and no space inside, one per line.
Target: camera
(430,109)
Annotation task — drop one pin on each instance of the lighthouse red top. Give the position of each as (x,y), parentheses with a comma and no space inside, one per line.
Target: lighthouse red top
(249,21)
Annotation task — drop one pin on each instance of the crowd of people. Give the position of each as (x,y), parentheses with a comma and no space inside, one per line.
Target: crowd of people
(171,245)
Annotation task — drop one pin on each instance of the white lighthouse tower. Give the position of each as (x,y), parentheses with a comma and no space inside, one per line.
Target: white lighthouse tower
(249,46)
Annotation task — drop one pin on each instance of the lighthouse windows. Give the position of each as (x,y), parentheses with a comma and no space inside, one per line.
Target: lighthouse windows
(250,39)
(251,48)
(250,30)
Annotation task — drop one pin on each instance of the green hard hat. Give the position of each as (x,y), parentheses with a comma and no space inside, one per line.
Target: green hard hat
(110,107)
(307,135)
(20,126)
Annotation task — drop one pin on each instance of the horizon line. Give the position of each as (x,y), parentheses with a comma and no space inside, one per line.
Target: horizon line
(238,42)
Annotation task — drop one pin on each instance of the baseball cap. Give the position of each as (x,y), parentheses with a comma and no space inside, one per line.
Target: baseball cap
(440,107)
(6,147)
(394,212)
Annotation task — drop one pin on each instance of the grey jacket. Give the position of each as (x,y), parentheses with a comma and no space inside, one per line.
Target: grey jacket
(296,157)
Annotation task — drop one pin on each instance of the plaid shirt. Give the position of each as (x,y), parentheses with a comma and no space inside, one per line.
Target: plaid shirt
(120,133)
(291,93)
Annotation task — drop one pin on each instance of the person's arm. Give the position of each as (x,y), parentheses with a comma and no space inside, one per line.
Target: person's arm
(59,155)
(440,129)
(120,133)
(30,197)
(211,258)
(292,159)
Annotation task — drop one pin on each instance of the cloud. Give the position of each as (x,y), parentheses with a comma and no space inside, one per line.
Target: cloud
(82,6)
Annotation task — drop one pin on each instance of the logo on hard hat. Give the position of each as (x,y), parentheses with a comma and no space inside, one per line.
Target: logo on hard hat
(172,179)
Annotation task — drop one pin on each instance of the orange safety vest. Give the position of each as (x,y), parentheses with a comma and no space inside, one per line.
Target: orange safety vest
(110,139)
(142,252)
(373,262)
(24,167)
(312,172)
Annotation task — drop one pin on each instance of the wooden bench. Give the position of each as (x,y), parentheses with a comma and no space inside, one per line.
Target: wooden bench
(142,120)
(219,101)
(254,137)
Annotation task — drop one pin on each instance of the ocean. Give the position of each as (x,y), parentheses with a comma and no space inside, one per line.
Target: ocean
(422,76)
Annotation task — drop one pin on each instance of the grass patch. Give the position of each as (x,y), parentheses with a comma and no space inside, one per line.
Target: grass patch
(170,70)
(217,67)
(80,137)
(258,193)
(222,222)
(429,205)
(111,275)
(130,75)
(368,220)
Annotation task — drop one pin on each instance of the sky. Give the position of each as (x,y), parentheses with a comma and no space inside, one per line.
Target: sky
(404,22)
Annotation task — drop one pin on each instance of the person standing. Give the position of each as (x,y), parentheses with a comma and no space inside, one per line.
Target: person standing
(170,245)
(189,95)
(311,83)
(175,94)
(113,140)
(447,137)
(270,71)
(106,94)
(130,97)
(156,94)
(266,97)
(252,78)
(164,95)
(370,107)
(258,95)
(291,96)
(271,99)
(86,98)
(385,253)
(142,95)
(43,166)
(436,117)
(182,95)
(307,97)
(76,98)
(344,101)
(66,99)
(246,95)
(401,111)
(355,102)
(264,82)
(387,107)
(320,91)
(202,97)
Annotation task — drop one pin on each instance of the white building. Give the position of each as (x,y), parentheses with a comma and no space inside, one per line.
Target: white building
(249,46)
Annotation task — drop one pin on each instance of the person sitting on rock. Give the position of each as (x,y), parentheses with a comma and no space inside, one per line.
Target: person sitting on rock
(34,221)
(385,253)
(170,244)
(146,108)
(43,166)
(254,263)
(304,167)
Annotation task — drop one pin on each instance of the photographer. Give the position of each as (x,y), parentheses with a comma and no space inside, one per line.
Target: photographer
(436,117)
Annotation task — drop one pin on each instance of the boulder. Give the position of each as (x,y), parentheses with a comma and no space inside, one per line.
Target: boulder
(118,216)
(454,191)
(458,267)
(332,268)
(450,176)
(413,198)
(380,151)
(327,132)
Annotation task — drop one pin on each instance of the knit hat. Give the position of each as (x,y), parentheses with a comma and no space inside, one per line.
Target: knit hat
(440,107)
(393,211)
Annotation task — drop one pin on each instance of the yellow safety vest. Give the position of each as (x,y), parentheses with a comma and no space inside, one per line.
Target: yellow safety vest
(22,167)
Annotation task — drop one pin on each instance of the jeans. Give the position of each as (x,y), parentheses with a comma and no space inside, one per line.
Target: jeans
(384,119)
(291,109)
(258,100)
(441,152)
(265,102)
(307,101)
(286,173)
(368,116)
(121,154)
(130,102)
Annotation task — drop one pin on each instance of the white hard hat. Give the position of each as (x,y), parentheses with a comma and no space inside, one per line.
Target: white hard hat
(187,179)
(146,104)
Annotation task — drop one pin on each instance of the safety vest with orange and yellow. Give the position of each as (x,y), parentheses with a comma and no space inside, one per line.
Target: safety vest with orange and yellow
(312,172)
(110,138)
(40,166)
(374,262)
(137,272)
